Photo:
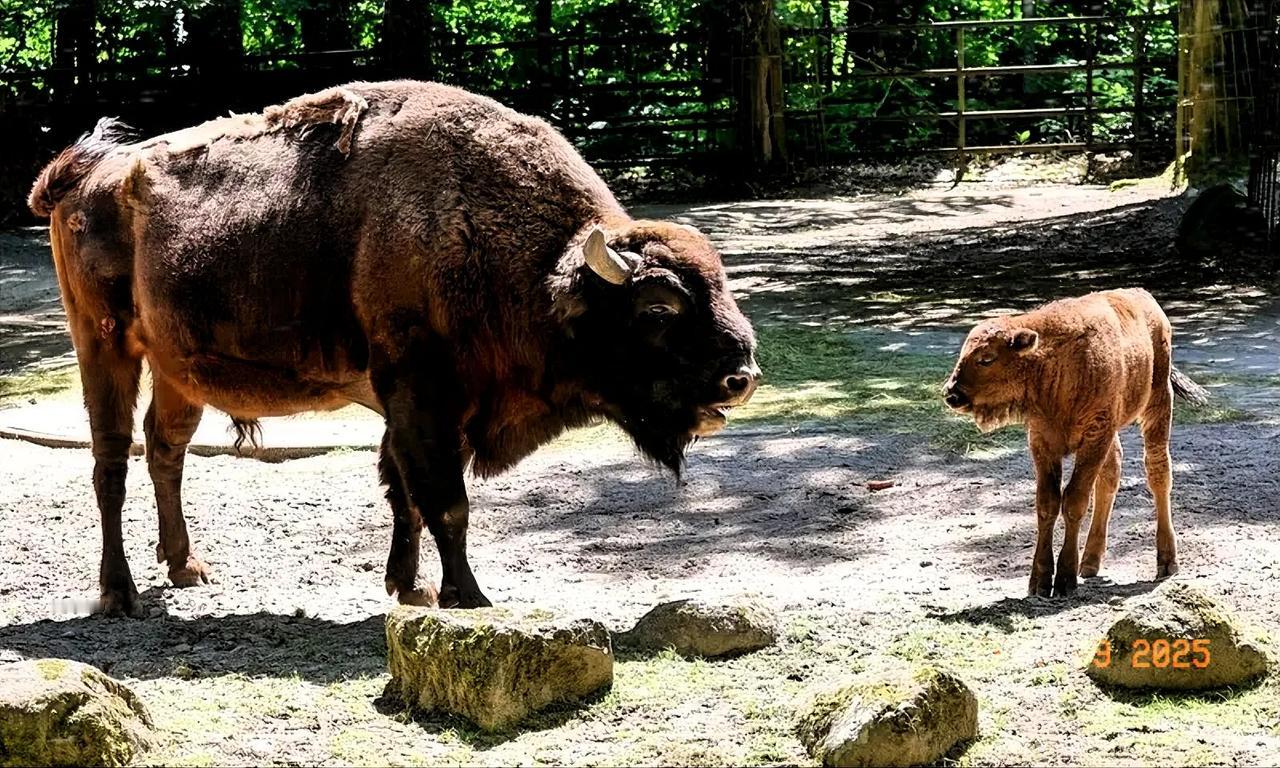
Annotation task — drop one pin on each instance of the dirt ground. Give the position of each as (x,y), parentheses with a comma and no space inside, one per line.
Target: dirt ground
(282,660)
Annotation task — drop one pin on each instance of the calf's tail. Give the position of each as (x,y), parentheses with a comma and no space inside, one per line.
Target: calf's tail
(65,172)
(1187,389)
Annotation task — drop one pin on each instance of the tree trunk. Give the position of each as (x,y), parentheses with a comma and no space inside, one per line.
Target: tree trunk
(406,38)
(542,27)
(215,38)
(326,25)
(758,92)
(73,44)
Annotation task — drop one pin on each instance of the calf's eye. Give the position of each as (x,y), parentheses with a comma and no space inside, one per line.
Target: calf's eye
(985,361)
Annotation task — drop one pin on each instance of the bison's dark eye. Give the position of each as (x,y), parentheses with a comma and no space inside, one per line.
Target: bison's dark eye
(660,311)
(985,361)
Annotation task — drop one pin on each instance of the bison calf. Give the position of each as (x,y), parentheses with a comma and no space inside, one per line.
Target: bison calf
(1075,371)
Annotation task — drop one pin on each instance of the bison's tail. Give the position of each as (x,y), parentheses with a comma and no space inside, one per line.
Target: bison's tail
(1187,389)
(247,431)
(69,168)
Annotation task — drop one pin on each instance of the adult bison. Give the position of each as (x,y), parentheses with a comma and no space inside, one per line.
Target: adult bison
(1076,371)
(425,252)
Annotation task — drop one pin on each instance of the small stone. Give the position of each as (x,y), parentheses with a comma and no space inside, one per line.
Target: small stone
(899,717)
(57,712)
(181,648)
(1176,638)
(695,628)
(494,666)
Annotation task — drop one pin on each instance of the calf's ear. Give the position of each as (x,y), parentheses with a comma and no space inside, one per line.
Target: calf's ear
(1024,340)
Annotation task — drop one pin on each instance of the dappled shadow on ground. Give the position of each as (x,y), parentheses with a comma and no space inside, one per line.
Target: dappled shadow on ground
(951,277)
(1000,614)
(32,329)
(256,644)
(803,501)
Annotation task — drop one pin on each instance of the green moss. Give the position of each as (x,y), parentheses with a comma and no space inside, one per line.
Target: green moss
(51,669)
(38,384)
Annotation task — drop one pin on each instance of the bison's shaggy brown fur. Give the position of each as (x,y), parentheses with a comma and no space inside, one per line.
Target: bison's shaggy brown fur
(1075,371)
(411,247)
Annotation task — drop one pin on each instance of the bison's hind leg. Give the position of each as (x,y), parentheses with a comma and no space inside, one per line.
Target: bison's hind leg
(1156,423)
(170,422)
(110,382)
(1104,497)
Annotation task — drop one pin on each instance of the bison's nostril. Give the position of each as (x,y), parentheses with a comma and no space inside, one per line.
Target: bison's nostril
(736,385)
(955,399)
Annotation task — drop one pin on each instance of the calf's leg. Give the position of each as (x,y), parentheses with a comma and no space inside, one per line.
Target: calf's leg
(1156,421)
(1104,498)
(420,399)
(170,422)
(110,383)
(1048,501)
(1075,503)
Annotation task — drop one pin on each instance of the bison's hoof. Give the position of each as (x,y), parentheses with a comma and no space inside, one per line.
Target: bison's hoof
(1040,587)
(1165,570)
(121,602)
(192,574)
(452,597)
(423,596)
(1064,585)
(1088,570)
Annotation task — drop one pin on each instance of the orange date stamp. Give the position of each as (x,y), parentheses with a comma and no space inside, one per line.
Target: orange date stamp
(1160,653)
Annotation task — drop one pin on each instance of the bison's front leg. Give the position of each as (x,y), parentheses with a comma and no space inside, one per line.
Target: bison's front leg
(1089,460)
(406,533)
(1048,503)
(420,402)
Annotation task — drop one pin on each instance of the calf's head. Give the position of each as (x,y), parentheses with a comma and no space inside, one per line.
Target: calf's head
(655,333)
(990,379)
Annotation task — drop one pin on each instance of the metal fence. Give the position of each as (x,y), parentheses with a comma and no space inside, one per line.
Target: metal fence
(974,128)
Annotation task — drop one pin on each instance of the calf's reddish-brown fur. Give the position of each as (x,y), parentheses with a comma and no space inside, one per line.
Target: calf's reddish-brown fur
(410,247)
(1075,372)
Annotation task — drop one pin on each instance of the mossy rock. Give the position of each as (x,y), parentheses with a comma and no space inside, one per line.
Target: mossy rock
(56,712)
(1176,638)
(906,716)
(696,628)
(494,666)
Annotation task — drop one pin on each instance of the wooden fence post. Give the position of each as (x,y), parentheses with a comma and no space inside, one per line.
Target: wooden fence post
(758,93)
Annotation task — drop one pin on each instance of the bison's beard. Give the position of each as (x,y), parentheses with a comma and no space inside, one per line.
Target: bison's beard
(989,418)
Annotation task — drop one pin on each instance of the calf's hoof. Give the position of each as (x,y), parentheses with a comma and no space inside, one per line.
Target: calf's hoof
(452,597)
(1089,569)
(121,602)
(1040,587)
(193,573)
(1165,570)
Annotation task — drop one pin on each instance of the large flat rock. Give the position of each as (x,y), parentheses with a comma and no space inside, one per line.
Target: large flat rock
(897,717)
(56,712)
(494,666)
(1177,638)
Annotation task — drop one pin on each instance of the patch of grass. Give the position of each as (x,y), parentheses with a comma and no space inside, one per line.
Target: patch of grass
(814,375)
(15,390)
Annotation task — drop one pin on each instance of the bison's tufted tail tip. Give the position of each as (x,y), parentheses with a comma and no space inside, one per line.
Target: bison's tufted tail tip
(1187,389)
(65,172)
(247,431)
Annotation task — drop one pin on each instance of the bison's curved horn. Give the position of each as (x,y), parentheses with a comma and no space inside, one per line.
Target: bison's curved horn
(603,260)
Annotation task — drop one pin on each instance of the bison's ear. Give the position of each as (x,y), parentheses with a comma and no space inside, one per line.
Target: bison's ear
(1024,340)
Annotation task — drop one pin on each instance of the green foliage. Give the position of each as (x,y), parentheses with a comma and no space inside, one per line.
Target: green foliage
(682,55)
